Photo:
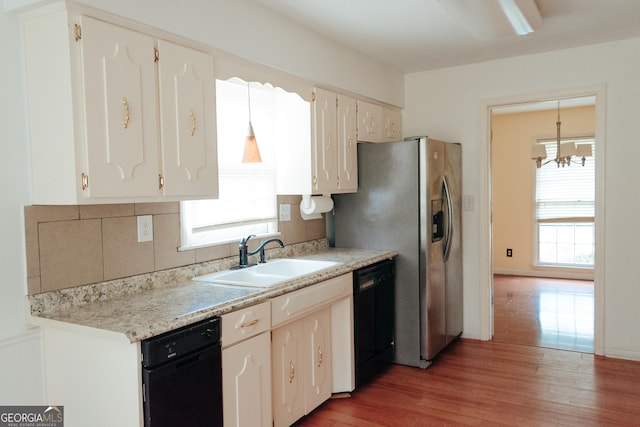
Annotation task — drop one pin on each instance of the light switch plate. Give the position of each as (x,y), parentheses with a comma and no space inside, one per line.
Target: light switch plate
(468,203)
(145,228)
(285,212)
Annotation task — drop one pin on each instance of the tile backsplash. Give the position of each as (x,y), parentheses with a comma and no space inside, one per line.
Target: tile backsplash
(70,246)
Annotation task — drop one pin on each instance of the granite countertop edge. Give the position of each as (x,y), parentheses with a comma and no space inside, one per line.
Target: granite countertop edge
(145,310)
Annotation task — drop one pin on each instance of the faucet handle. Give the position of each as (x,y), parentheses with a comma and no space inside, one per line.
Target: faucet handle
(245,240)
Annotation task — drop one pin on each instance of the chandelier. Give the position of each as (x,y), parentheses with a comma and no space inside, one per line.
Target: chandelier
(564,151)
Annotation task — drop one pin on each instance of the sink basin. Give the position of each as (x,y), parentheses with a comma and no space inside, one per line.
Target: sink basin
(267,274)
(292,267)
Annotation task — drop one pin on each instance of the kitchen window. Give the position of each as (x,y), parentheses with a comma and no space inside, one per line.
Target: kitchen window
(565,210)
(247,191)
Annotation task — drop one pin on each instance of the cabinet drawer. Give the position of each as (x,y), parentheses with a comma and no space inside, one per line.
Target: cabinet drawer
(290,306)
(245,323)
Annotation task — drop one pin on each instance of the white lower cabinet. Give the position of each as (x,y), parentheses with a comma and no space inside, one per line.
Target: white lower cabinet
(246,367)
(301,352)
(303,333)
(246,383)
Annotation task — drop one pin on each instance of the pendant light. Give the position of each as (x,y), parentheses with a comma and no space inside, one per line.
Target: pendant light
(251,152)
(564,151)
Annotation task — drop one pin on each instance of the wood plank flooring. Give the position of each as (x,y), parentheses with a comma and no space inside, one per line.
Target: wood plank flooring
(488,383)
(508,381)
(555,313)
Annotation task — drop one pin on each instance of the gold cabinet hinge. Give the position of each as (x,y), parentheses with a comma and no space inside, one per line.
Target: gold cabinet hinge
(84,181)
(160,182)
(156,54)
(313,96)
(77,32)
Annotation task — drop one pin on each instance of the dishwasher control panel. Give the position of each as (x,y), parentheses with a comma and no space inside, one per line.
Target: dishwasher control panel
(180,342)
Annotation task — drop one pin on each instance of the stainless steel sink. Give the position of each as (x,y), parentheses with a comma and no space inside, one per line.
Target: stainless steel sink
(267,274)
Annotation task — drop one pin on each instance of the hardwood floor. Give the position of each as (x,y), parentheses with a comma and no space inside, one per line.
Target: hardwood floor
(493,383)
(554,313)
(488,383)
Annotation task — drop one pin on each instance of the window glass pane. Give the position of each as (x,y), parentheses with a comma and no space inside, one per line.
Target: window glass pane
(566,244)
(584,234)
(565,233)
(547,253)
(547,233)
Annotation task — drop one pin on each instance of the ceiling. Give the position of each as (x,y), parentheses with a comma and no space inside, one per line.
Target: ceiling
(417,35)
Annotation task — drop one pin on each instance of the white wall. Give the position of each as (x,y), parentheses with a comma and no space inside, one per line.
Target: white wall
(20,366)
(229,25)
(249,31)
(450,104)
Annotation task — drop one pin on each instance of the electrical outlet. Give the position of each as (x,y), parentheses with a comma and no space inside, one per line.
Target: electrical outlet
(285,212)
(145,228)
(509,252)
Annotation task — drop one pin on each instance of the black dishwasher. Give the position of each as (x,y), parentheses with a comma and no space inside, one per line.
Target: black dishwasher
(182,377)
(373,299)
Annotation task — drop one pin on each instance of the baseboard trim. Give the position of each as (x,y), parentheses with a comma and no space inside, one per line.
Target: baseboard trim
(549,274)
(622,354)
(18,337)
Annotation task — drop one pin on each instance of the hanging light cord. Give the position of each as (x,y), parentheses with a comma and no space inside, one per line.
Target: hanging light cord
(558,123)
(249,100)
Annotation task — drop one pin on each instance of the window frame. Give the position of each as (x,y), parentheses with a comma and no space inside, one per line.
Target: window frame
(573,221)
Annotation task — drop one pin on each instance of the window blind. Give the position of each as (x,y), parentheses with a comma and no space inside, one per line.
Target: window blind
(566,194)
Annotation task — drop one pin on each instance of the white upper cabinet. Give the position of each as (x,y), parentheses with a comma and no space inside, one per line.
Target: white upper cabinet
(347,148)
(107,122)
(391,119)
(325,142)
(317,155)
(188,121)
(369,122)
(377,123)
(119,92)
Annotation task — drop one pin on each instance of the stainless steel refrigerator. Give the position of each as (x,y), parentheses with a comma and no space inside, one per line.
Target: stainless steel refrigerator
(409,200)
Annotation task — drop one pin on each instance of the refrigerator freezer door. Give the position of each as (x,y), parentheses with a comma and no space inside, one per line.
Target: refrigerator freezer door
(384,214)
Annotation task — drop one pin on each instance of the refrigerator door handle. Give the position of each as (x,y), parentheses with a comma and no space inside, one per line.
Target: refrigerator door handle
(447,243)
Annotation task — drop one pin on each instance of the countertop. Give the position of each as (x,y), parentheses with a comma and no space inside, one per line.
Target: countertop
(141,309)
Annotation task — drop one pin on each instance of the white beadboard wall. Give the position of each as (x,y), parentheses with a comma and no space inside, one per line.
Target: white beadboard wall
(21,369)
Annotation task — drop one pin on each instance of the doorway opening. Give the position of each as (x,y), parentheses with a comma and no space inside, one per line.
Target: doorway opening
(536,301)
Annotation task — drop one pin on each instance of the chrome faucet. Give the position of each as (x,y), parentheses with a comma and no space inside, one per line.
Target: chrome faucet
(243,250)
(261,248)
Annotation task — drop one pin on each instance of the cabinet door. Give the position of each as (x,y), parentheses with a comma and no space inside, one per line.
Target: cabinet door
(187,121)
(288,345)
(246,383)
(391,118)
(369,122)
(347,139)
(119,85)
(318,370)
(325,147)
